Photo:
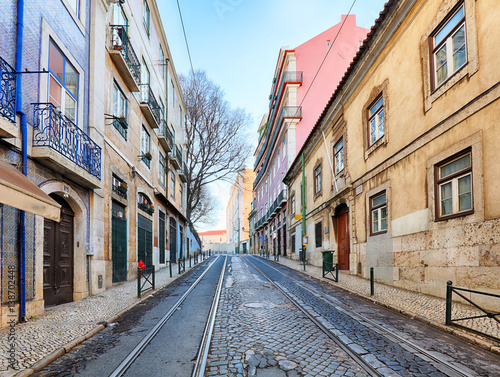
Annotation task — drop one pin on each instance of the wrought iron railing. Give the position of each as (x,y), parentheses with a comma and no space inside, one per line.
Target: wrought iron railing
(475,318)
(121,126)
(178,154)
(148,97)
(52,129)
(288,77)
(121,191)
(164,131)
(7,91)
(121,42)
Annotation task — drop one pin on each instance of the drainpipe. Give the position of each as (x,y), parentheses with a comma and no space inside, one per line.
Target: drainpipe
(24,153)
(303,210)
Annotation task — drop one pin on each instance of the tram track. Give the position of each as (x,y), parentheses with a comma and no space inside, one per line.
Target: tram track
(205,343)
(451,368)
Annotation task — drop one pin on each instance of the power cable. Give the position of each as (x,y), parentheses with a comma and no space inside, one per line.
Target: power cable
(185,37)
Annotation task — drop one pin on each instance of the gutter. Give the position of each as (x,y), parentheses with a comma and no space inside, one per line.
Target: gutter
(24,154)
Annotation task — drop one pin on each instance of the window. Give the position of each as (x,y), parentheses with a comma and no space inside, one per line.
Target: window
(180,117)
(145,80)
(120,111)
(278,159)
(318,234)
(292,243)
(146,16)
(317,180)
(119,17)
(181,195)
(454,187)
(145,146)
(376,120)
(378,210)
(173,93)
(63,83)
(339,156)
(283,151)
(162,169)
(449,48)
(293,205)
(172,184)
(75,5)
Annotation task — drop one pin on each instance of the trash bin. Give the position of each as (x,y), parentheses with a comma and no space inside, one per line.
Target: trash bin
(327,261)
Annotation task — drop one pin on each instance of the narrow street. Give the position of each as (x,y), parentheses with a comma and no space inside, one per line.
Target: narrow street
(288,326)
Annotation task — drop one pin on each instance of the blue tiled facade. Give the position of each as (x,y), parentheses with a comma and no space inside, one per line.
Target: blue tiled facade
(76,41)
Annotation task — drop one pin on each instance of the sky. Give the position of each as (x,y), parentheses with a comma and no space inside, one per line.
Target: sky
(236,42)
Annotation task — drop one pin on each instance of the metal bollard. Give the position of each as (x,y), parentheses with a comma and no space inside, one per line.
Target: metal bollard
(138,282)
(449,293)
(170,267)
(371,282)
(153,278)
(184,264)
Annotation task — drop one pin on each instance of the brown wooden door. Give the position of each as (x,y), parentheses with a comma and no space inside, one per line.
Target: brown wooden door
(58,260)
(343,240)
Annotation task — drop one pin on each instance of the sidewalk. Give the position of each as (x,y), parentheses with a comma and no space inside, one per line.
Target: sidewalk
(424,308)
(45,338)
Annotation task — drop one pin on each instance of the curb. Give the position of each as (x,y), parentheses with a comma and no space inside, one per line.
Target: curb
(461,334)
(50,358)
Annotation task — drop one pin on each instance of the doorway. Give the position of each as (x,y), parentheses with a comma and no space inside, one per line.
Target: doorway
(119,242)
(58,257)
(343,242)
(145,241)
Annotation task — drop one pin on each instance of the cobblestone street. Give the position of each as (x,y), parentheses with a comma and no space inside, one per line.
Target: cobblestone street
(260,333)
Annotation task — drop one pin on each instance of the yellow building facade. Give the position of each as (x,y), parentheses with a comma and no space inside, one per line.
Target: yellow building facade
(402,166)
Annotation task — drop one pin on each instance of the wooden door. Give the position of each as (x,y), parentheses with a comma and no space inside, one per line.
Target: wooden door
(58,259)
(119,243)
(173,240)
(145,241)
(343,240)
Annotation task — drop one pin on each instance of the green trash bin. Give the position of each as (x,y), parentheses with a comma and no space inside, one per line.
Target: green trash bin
(328,266)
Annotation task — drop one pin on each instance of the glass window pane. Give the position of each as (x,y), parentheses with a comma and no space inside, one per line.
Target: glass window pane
(375,220)
(380,123)
(71,79)
(75,4)
(459,52)
(378,200)
(376,106)
(339,145)
(449,25)
(119,17)
(373,131)
(56,62)
(70,107)
(455,166)
(464,185)
(446,199)
(54,92)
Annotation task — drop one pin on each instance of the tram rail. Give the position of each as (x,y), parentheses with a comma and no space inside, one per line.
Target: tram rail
(453,369)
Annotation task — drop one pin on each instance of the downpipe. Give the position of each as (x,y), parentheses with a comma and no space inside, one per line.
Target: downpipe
(24,155)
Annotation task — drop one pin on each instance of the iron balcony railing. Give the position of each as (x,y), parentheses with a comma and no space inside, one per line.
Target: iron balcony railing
(165,132)
(286,112)
(52,129)
(288,77)
(178,155)
(7,91)
(120,41)
(121,126)
(148,97)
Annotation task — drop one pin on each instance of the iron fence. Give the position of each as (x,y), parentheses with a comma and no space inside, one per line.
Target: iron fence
(481,313)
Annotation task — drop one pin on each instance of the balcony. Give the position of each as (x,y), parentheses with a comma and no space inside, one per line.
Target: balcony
(176,158)
(8,127)
(289,77)
(124,57)
(121,126)
(149,106)
(183,173)
(282,198)
(165,136)
(59,144)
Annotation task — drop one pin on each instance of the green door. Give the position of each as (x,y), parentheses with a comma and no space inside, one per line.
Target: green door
(119,243)
(145,241)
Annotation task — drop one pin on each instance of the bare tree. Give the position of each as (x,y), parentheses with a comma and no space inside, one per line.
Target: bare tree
(216,141)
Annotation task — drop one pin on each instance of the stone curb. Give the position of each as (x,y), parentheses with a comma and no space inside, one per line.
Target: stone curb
(39,365)
(462,334)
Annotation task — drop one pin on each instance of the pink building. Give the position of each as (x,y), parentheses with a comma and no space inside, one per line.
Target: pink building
(294,107)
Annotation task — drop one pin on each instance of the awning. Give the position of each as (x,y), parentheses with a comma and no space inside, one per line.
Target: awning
(18,191)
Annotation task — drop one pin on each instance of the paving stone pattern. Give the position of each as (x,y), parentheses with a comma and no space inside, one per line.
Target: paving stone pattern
(259,333)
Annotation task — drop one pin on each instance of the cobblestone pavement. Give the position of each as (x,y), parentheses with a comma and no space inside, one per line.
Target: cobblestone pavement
(259,333)
(62,327)
(428,309)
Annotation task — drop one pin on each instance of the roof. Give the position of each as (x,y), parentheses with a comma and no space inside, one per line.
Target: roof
(212,232)
(363,49)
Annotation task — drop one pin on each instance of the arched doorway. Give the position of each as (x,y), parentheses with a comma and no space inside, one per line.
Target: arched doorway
(58,256)
(342,233)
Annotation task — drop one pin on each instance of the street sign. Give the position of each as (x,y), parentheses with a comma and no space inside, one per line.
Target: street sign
(298,217)
(305,240)
(261,238)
